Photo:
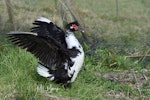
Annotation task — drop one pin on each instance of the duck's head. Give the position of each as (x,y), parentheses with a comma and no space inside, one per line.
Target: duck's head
(74,26)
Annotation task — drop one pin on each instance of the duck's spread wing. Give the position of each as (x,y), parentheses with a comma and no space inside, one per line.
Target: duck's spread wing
(47,42)
(45,28)
(46,49)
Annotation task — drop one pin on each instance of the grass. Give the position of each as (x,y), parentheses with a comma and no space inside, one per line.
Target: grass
(109,73)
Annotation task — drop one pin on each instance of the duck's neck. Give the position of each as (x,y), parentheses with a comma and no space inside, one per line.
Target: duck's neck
(71,40)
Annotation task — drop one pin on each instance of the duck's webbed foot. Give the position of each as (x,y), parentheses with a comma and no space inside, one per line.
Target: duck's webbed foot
(67,85)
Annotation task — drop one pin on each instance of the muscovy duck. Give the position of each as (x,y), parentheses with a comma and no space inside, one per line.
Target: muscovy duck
(60,54)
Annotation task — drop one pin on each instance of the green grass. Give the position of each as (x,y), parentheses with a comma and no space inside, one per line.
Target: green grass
(109,74)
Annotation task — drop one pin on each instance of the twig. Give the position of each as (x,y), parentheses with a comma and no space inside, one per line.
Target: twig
(137,56)
(137,86)
(144,75)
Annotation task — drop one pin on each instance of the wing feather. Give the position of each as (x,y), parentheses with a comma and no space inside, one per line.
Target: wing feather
(45,49)
(46,41)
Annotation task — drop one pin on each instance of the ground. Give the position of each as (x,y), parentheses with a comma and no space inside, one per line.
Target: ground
(116,58)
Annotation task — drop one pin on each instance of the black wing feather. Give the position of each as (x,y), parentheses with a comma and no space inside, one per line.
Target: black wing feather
(45,49)
(47,42)
(45,29)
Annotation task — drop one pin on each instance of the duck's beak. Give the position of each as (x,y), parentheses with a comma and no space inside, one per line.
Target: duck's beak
(81,30)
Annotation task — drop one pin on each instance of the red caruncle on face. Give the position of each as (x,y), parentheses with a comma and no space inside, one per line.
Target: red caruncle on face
(75,26)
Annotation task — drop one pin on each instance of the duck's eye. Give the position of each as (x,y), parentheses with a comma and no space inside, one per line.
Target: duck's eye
(71,27)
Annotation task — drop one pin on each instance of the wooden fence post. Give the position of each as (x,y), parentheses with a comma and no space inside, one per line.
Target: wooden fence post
(10,13)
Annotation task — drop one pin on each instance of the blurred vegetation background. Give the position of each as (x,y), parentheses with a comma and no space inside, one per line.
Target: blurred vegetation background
(116,23)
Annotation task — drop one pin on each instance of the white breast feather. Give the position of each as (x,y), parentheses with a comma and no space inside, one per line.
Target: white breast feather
(78,60)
